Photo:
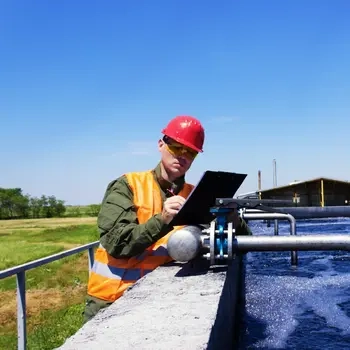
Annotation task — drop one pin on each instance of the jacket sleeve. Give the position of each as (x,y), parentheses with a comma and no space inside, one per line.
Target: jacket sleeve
(120,232)
(243,229)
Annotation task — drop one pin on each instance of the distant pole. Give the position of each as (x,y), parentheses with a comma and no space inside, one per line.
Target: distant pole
(275,185)
(259,184)
(274,173)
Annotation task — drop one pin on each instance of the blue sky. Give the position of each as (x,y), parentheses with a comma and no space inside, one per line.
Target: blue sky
(86,87)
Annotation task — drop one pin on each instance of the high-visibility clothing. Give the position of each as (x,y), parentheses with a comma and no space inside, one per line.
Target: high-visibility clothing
(110,277)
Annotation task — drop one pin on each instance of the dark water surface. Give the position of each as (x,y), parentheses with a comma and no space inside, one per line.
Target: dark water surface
(303,307)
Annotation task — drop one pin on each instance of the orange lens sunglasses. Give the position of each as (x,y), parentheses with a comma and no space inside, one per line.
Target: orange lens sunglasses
(178,150)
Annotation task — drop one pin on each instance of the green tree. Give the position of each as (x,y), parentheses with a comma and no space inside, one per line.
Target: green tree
(35,207)
(14,204)
(60,209)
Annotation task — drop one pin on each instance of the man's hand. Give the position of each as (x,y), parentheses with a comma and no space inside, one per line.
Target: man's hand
(171,207)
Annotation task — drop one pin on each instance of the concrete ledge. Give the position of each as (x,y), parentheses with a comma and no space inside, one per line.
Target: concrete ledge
(226,330)
(178,306)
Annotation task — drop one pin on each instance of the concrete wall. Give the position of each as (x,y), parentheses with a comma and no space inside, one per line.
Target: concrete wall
(178,306)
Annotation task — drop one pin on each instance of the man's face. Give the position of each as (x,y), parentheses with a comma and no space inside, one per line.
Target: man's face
(176,158)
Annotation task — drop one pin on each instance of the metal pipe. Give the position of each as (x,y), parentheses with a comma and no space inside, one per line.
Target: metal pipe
(267,216)
(317,212)
(283,243)
(39,262)
(309,212)
(21,311)
(187,243)
(275,185)
(253,211)
(20,270)
(280,216)
(276,228)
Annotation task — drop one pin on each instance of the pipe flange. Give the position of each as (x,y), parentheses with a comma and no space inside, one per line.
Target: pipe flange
(212,242)
(229,240)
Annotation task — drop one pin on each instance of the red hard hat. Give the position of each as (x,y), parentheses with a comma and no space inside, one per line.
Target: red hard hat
(187,131)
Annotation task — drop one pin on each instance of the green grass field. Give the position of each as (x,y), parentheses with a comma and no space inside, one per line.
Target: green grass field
(56,291)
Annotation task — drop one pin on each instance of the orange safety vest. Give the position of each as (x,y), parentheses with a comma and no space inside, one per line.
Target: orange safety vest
(110,277)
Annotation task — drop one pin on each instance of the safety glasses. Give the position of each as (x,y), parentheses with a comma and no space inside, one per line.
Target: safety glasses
(178,150)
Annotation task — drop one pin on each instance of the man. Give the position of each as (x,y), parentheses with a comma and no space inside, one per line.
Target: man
(135,214)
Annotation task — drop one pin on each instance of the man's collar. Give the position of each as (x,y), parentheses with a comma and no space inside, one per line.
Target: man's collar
(164,184)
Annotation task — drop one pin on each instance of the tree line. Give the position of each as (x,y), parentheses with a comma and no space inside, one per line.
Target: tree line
(14,204)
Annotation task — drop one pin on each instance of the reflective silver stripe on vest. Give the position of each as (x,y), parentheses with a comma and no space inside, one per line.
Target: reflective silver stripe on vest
(106,271)
(118,273)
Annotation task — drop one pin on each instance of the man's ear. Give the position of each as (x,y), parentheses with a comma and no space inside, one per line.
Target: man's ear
(160,144)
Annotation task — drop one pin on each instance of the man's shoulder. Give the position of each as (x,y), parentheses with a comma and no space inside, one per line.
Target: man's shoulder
(124,179)
(116,183)
(136,178)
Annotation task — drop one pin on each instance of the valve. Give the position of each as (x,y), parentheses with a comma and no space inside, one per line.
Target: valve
(214,243)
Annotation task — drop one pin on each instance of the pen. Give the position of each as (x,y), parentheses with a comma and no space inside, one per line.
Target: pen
(170,191)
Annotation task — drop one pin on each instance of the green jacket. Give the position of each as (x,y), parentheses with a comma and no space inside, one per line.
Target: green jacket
(120,233)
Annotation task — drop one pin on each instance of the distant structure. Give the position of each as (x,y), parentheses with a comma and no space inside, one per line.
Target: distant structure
(319,192)
(259,180)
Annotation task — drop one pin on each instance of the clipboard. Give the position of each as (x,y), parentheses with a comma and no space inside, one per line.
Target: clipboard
(212,185)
